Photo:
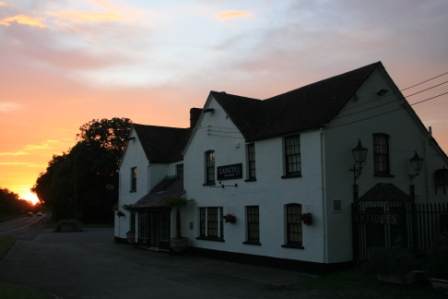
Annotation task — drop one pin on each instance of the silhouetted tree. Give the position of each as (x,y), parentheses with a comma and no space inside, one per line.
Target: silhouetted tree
(74,184)
(11,204)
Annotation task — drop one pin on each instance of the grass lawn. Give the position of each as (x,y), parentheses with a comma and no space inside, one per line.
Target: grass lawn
(8,291)
(352,285)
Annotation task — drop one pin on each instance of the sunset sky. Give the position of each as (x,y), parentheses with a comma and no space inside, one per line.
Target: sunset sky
(64,63)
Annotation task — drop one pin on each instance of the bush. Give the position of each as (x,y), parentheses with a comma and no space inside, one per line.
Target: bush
(437,261)
(392,261)
(68,226)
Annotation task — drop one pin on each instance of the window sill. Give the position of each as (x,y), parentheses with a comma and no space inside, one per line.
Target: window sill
(293,246)
(251,180)
(210,239)
(383,175)
(132,191)
(209,184)
(257,243)
(290,176)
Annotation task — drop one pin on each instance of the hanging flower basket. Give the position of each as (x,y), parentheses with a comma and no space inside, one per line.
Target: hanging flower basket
(307,218)
(120,214)
(229,218)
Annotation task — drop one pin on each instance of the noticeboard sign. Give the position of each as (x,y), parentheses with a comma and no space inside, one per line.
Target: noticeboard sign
(230,172)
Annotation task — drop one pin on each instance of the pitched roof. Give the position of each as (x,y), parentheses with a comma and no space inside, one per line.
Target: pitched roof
(309,107)
(162,144)
(383,192)
(169,187)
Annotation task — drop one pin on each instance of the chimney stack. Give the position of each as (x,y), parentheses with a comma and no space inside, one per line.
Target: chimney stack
(194,116)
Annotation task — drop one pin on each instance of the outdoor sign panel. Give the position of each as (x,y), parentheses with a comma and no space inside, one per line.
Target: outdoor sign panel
(230,172)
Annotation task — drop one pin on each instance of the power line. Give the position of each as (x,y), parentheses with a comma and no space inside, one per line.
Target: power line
(387,103)
(387,112)
(426,89)
(424,81)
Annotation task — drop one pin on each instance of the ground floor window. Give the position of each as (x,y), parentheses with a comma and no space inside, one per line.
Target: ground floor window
(293,219)
(252,225)
(211,223)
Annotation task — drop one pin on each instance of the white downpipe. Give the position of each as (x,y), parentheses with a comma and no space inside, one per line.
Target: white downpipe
(324,199)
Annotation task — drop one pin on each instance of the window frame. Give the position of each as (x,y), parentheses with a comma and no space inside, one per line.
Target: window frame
(251,162)
(381,154)
(210,172)
(133,183)
(293,226)
(292,156)
(211,224)
(252,225)
(180,170)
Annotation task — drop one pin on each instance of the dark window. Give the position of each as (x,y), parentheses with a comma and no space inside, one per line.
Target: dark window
(253,224)
(375,235)
(397,237)
(132,221)
(180,170)
(211,223)
(210,167)
(381,154)
(143,225)
(292,155)
(251,161)
(202,219)
(293,225)
(133,179)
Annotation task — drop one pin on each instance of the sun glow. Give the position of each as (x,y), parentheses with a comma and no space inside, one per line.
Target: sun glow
(31,197)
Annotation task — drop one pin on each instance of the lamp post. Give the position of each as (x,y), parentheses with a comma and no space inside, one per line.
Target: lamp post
(417,164)
(360,155)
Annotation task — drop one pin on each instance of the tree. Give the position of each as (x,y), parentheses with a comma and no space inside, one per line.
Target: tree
(11,204)
(110,134)
(74,184)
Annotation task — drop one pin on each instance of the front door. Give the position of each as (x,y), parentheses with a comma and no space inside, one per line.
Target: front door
(159,229)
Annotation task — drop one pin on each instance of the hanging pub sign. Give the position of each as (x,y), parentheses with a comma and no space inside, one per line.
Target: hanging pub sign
(230,172)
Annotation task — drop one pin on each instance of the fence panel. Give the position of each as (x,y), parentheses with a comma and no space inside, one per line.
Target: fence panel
(389,225)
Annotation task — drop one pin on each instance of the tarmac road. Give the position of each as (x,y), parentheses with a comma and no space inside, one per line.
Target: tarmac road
(90,265)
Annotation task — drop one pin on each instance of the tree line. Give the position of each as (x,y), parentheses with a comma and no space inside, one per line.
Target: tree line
(11,204)
(82,183)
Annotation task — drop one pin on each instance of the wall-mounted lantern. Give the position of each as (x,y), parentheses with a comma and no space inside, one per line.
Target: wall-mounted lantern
(360,155)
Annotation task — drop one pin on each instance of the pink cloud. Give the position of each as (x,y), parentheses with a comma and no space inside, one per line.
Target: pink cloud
(91,17)
(233,14)
(24,20)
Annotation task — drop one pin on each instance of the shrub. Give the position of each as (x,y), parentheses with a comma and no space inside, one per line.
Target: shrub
(68,226)
(392,261)
(437,261)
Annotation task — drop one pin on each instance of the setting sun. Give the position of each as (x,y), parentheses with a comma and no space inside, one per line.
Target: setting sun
(31,197)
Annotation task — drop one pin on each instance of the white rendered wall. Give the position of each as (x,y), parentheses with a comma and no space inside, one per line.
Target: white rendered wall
(270,192)
(134,156)
(359,121)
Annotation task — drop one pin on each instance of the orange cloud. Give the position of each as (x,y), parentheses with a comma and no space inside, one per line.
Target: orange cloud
(44,145)
(6,107)
(97,17)
(23,19)
(20,153)
(233,14)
